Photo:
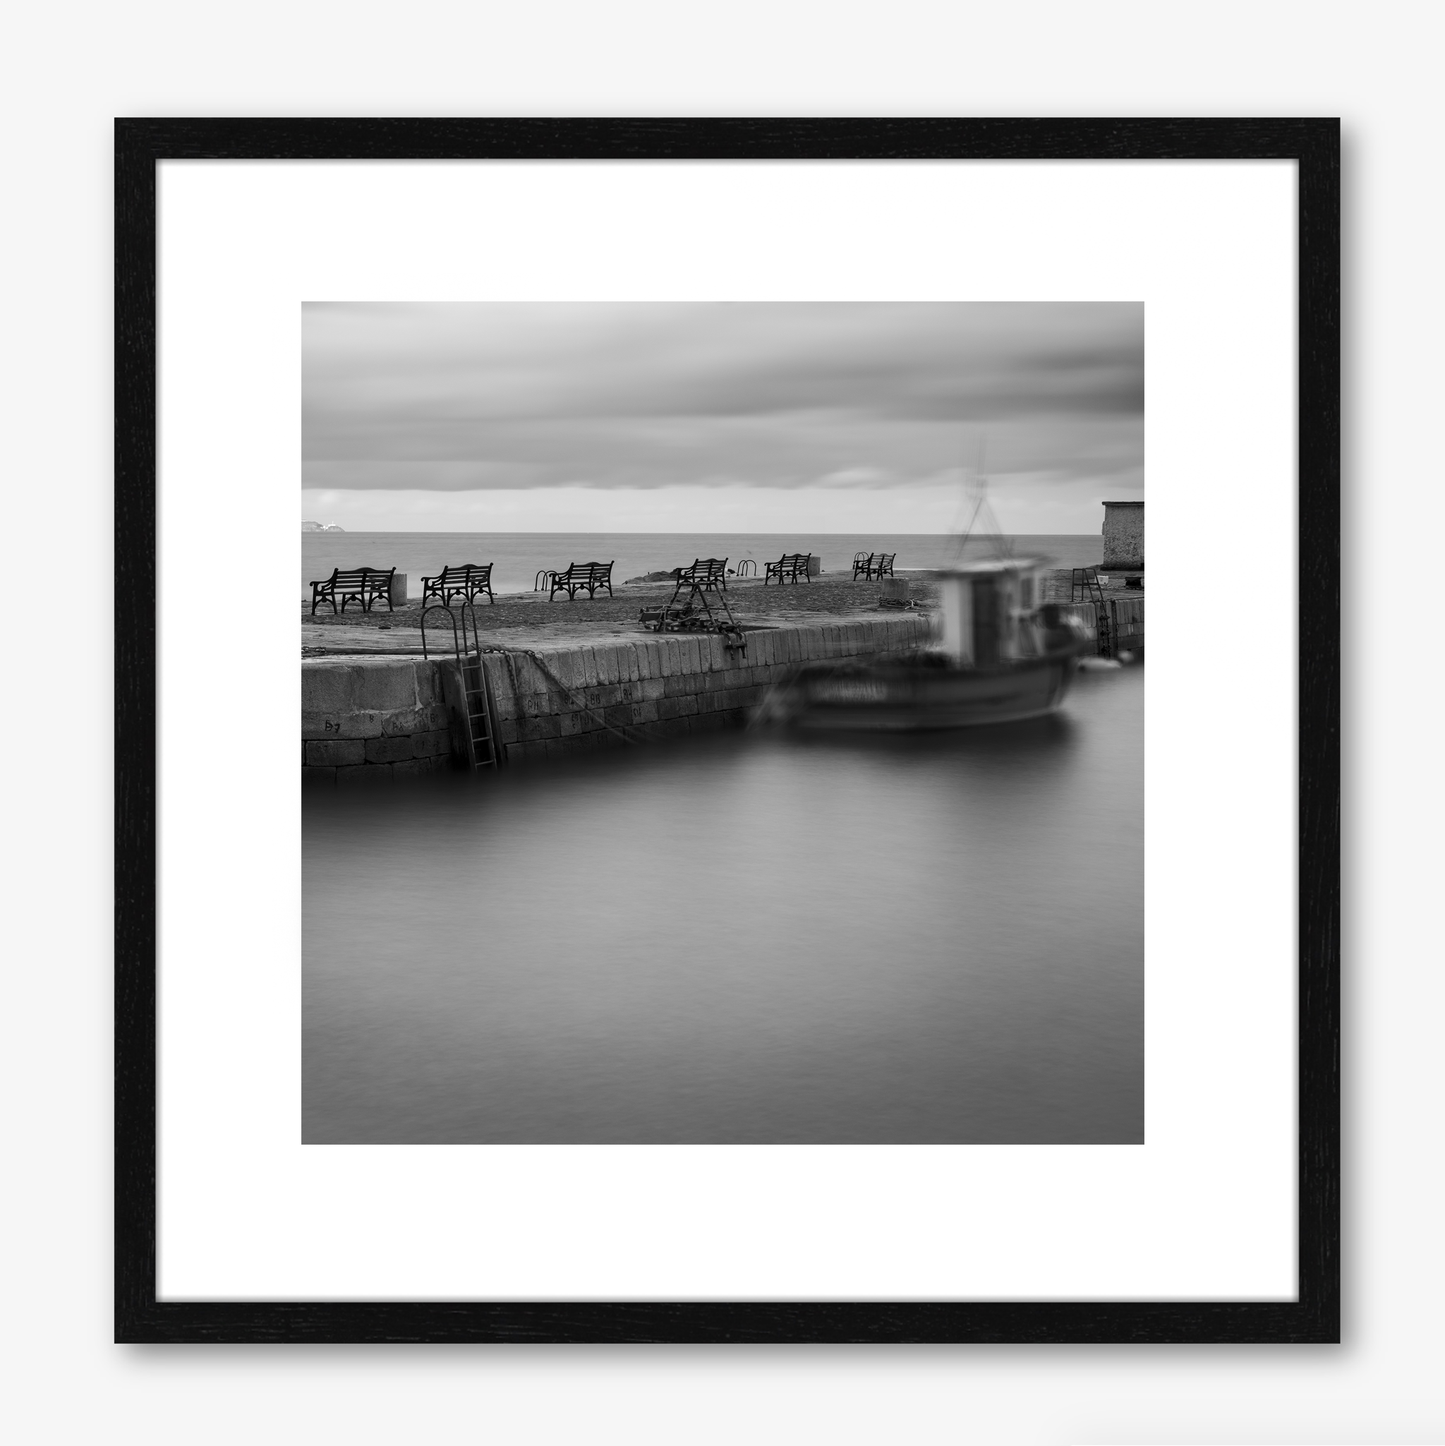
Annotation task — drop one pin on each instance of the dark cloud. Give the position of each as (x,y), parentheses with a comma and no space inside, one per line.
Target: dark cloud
(780,395)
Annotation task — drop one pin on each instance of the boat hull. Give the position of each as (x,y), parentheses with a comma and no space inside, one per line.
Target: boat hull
(901,698)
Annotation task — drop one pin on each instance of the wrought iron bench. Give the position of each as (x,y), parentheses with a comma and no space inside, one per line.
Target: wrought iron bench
(364,584)
(705,572)
(791,565)
(578,575)
(468,581)
(873,564)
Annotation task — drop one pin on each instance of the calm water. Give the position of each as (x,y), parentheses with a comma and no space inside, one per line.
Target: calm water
(757,938)
(518,556)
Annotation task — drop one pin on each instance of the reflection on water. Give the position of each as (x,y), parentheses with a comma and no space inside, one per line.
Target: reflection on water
(753,938)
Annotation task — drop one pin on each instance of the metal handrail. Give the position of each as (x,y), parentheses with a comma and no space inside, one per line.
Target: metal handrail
(460,643)
(452,617)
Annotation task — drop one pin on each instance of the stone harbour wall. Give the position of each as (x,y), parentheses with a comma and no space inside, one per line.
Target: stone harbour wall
(380,719)
(372,719)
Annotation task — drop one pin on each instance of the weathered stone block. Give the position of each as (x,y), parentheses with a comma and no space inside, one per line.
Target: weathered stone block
(651,689)
(387,750)
(413,720)
(434,744)
(333,753)
(350,725)
(499,677)
(529,730)
(566,665)
(644,713)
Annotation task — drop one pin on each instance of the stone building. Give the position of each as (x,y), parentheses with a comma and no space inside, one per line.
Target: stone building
(1123,537)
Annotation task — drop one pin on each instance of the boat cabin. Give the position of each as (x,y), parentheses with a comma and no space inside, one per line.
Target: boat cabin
(988,610)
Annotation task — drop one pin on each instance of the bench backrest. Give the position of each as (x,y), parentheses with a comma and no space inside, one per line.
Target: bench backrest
(794,559)
(586,569)
(465,572)
(704,569)
(355,576)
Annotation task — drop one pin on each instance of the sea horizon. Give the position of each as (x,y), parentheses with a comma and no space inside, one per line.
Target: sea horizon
(517,557)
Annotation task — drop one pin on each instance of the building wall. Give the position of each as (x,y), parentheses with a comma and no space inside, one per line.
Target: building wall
(1123,535)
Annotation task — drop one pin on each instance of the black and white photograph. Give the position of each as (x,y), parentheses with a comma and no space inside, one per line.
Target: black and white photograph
(723,723)
(728,891)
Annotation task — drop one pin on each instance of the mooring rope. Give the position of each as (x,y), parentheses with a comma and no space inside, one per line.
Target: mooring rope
(579,698)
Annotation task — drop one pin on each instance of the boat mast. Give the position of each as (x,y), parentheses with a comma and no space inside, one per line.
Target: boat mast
(983,511)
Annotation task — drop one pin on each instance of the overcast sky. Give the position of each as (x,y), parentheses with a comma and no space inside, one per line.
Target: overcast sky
(739,416)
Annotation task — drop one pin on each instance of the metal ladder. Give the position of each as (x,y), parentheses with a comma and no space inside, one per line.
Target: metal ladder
(476,703)
(1084,586)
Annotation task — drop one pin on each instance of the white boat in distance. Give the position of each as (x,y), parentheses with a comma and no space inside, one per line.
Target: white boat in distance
(1004,656)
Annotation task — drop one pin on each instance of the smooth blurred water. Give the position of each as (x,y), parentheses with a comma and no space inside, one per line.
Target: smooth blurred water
(750,938)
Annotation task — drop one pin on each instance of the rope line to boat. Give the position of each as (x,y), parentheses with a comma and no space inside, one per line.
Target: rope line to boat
(511,654)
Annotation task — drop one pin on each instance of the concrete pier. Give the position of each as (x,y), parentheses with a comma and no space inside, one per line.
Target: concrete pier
(378,719)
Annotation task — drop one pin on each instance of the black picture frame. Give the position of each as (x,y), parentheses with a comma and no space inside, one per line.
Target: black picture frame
(1314,146)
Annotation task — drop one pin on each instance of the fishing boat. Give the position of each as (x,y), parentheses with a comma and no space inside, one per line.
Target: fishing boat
(1004,655)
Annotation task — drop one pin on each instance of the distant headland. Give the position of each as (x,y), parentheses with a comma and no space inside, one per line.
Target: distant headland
(321,527)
